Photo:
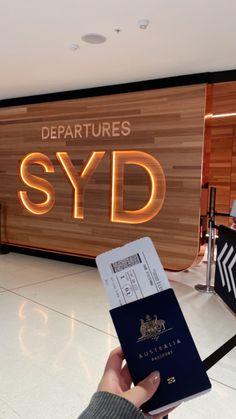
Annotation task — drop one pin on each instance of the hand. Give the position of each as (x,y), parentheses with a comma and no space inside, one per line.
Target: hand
(117,380)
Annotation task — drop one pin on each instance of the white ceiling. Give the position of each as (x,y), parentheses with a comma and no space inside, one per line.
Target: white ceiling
(184,37)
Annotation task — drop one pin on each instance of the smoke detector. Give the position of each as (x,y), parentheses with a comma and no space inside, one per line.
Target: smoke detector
(143,23)
(73,46)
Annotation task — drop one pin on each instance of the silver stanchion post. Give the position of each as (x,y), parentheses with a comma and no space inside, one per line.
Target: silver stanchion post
(211,245)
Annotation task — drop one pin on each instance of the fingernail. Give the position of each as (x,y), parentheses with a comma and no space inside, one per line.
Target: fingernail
(154,377)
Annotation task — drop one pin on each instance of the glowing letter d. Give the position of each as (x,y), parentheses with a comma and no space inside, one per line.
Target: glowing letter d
(157,187)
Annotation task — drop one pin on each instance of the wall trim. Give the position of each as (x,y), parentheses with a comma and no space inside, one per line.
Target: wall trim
(62,257)
(185,80)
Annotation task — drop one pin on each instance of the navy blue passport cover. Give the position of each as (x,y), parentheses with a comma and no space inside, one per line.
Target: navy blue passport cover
(154,336)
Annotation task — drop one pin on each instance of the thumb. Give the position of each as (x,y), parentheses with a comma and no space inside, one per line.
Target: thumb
(144,390)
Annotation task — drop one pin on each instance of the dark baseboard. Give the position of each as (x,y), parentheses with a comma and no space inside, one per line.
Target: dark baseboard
(80,260)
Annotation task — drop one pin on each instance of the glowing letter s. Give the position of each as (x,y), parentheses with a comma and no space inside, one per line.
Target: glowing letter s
(36,182)
(157,189)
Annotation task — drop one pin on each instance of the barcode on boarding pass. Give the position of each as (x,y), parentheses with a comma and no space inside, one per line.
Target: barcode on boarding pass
(122,264)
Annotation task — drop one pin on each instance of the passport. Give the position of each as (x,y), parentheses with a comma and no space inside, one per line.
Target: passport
(154,336)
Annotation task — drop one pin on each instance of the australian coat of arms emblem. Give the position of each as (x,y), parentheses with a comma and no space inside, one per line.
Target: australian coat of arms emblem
(151,328)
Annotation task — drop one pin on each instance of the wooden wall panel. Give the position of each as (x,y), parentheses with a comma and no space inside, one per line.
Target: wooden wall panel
(233,169)
(222,164)
(166,123)
(224,99)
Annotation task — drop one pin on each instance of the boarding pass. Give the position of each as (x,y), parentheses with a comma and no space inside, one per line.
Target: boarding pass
(132,272)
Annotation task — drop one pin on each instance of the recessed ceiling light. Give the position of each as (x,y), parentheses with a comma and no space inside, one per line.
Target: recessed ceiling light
(94,38)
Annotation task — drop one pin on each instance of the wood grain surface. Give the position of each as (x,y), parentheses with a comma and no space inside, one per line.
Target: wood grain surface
(168,124)
(222,160)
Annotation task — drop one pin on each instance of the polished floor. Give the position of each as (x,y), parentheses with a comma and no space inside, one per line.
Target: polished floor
(56,333)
